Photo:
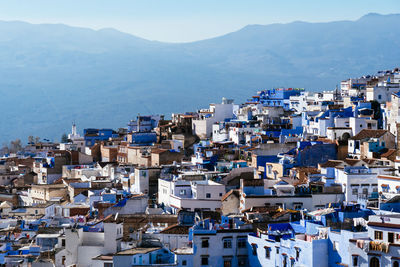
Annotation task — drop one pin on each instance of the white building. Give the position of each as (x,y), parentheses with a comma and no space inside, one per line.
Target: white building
(382,91)
(357,182)
(202,126)
(81,247)
(382,247)
(360,123)
(190,195)
(227,247)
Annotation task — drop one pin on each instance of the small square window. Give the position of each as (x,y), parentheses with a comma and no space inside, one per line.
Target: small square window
(184,262)
(241,242)
(378,235)
(208,195)
(204,260)
(354,191)
(204,243)
(227,243)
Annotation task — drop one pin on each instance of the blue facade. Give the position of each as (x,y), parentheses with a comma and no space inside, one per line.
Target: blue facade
(276,97)
(144,138)
(93,135)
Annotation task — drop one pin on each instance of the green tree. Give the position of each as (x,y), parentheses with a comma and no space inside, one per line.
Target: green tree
(16,145)
(64,138)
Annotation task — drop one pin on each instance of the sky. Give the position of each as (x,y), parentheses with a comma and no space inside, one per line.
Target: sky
(187,20)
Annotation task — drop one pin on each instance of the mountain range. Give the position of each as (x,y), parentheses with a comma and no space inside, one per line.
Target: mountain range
(53,74)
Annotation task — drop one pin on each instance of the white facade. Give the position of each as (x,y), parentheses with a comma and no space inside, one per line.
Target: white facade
(81,247)
(382,247)
(382,92)
(357,182)
(360,123)
(220,248)
(181,194)
(202,126)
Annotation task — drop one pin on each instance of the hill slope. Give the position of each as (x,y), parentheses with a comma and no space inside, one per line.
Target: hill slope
(52,75)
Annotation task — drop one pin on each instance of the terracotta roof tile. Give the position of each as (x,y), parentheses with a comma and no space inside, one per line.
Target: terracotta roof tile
(233,191)
(176,229)
(366,133)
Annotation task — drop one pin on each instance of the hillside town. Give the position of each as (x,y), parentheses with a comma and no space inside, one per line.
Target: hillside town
(288,178)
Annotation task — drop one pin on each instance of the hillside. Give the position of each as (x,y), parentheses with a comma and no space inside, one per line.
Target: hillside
(52,75)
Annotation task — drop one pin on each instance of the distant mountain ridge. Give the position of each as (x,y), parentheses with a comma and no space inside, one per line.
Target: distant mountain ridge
(53,74)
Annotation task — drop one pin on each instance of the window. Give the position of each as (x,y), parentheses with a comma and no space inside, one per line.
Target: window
(184,262)
(390,237)
(208,195)
(108,264)
(395,264)
(374,262)
(242,261)
(335,246)
(355,261)
(354,191)
(365,191)
(297,206)
(182,192)
(241,242)
(204,260)
(267,252)
(297,254)
(63,242)
(277,250)
(204,243)
(378,235)
(254,249)
(397,237)
(227,243)
(227,262)
(220,194)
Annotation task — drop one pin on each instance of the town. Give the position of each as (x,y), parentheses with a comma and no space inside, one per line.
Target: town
(288,178)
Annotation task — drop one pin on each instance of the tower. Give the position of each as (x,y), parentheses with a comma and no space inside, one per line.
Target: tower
(73,132)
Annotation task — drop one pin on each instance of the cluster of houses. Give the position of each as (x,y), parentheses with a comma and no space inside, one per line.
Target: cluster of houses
(288,178)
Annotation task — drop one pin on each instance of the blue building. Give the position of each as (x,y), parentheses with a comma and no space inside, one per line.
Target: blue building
(277,97)
(144,123)
(142,138)
(92,135)
(309,242)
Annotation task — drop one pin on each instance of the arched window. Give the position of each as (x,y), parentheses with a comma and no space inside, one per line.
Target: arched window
(395,264)
(374,262)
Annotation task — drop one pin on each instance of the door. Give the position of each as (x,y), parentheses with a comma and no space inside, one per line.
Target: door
(390,237)
(374,262)
(227,262)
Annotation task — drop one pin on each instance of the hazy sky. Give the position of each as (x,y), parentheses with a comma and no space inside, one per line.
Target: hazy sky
(187,20)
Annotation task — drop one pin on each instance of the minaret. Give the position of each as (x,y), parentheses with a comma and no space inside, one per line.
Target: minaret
(73,132)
